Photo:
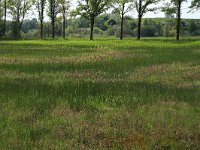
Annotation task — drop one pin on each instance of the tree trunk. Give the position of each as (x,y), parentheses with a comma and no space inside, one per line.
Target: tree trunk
(139,28)
(53,28)
(18,25)
(178,21)
(5,15)
(92,27)
(122,23)
(41,22)
(48,31)
(41,29)
(122,28)
(64,25)
(18,30)
(139,20)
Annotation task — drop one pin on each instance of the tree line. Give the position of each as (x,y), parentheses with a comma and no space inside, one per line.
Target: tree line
(88,9)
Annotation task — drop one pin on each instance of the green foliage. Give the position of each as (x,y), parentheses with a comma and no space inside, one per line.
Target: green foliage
(164,27)
(148,31)
(91,8)
(109,25)
(1,29)
(145,6)
(31,34)
(30,25)
(53,9)
(40,5)
(18,10)
(170,8)
(101,22)
(122,7)
(194,28)
(1,20)
(1,9)
(195,4)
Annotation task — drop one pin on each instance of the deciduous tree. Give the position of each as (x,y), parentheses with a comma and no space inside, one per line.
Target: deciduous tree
(174,7)
(195,4)
(64,9)
(1,18)
(40,5)
(53,11)
(3,15)
(1,9)
(142,7)
(122,7)
(90,9)
(18,10)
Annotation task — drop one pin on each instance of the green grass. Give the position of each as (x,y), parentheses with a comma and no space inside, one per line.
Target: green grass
(102,94)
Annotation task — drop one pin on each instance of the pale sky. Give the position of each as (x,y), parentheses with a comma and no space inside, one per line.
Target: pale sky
(185,12)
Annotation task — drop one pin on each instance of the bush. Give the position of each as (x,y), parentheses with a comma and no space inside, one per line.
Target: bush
(112,30)
(148,31)
(31,34)
(98,31)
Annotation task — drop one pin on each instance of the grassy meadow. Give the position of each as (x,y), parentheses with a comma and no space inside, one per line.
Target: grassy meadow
(102,94)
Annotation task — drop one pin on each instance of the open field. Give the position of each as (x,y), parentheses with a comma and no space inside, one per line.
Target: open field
(103,94)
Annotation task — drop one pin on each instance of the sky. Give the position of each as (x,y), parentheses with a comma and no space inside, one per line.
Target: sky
(185,12)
